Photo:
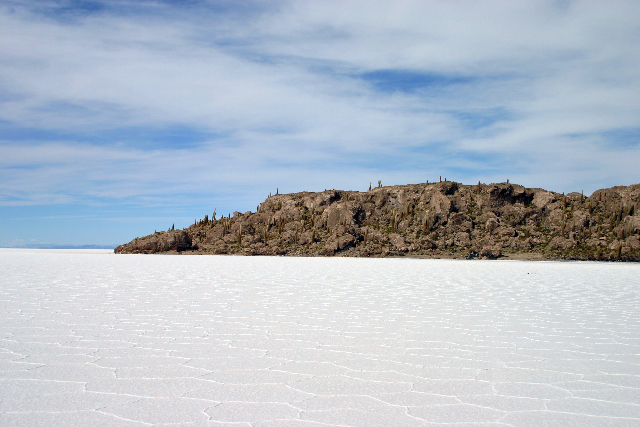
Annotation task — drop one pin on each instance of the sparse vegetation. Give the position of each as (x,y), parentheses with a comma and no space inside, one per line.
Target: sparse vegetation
(445,219)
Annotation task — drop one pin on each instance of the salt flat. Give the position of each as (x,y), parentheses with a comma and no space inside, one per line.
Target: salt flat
(88,338)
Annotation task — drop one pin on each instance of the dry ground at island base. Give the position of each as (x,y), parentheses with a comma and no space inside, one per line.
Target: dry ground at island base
(89,338)
(526,256)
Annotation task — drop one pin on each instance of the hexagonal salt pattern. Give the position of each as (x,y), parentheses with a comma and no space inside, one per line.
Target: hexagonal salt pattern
(95,339)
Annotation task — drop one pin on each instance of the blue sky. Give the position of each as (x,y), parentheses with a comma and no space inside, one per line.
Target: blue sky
(123,117)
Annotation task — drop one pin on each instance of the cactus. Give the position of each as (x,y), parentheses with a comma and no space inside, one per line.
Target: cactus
(379,183)
(394,221)
(226,226)
(584,221)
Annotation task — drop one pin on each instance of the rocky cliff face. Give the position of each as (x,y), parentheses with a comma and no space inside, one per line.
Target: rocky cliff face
(170,241)
(439,220)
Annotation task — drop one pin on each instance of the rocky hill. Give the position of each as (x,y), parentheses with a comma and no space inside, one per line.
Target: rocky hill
(434,220)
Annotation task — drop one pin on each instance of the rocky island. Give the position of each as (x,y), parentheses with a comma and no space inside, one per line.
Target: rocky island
(432,220)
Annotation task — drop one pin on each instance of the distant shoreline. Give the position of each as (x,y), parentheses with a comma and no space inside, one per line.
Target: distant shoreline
(55,246)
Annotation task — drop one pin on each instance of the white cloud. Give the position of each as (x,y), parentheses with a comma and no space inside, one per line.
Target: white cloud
(282,88)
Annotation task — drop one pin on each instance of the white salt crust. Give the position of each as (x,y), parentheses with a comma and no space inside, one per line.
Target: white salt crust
(95,339)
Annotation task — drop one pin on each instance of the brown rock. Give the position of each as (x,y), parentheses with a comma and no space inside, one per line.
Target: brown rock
(178,240)
(505,231)
(561,243)
(460,222)
(491,251)
(337,244)
(491,225)
(508,194)
(398,242)
(522,245)
(633,242)
(487,220)
(462,239)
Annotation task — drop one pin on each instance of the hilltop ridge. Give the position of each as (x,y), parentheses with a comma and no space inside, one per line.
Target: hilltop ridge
(433,220)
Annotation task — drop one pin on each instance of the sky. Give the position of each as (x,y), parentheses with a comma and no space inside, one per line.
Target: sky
(122,117)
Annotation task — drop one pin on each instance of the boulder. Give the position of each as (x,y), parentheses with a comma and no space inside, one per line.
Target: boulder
(462,239)
(492,252)
(501,195)
(337,244)
(398,242)
(561,243)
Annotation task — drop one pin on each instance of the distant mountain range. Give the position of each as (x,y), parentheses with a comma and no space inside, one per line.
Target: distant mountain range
(54,246)
(432,220)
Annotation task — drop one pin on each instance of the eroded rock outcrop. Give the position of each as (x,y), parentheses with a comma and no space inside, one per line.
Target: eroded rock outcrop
(170,241)
(440,220)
